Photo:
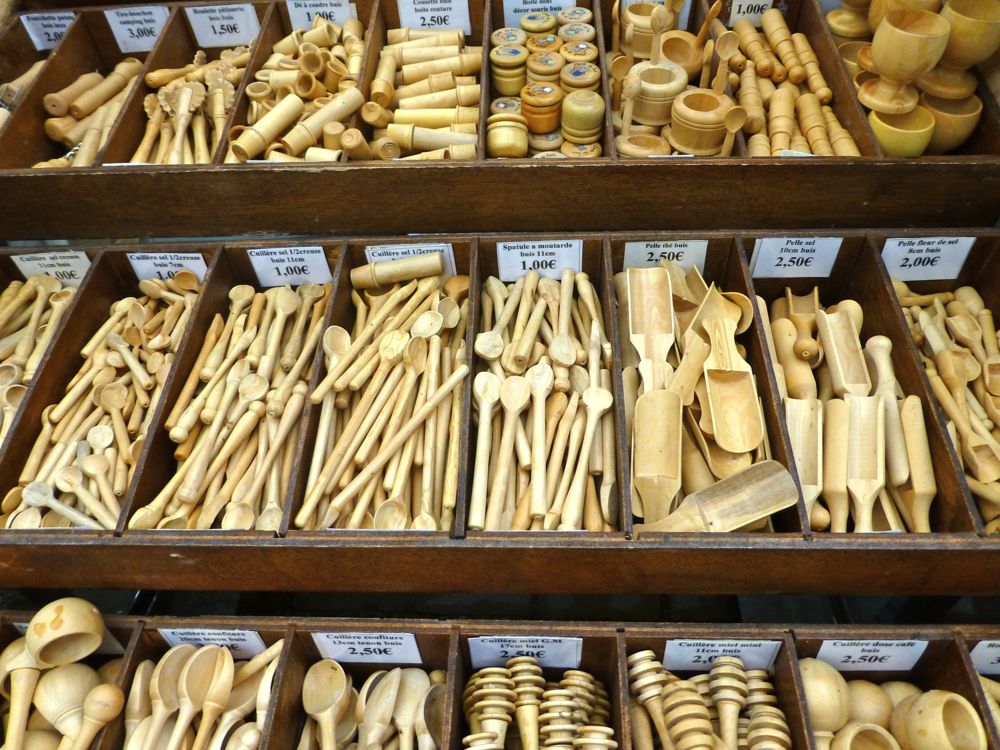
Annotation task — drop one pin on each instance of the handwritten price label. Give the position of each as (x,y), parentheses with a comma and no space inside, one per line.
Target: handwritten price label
(302,12)
(47,29)
(787,257)
(430,14)
(69,266)
(926,258)
(381,253)
(685,253)
(690,655)
(548,257)
(223,25)
(860,656)
(494,651)
(136,29)
(986,657)
(164,266)
(276,266)
(244,644)
(373,648)
(751,10)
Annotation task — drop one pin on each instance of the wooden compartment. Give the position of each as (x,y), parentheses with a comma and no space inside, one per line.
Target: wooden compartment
(175,48)
(724,266)
(593,263)
(694,645)
(943,664)
(342,313)
(435,642)
(89,45)
(983,646)
(19,55)
(232,267)
(858,274)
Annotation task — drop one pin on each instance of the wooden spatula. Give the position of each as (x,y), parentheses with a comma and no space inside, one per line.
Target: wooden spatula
(746,497)
(737,423)
(865,457)
(656,451)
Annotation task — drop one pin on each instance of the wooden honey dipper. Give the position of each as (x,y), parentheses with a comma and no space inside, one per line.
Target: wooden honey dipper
(528,688)
(729,692)
(595,737)
(768,729)
(686,717)
(760,691)
(647,678)
(701,683)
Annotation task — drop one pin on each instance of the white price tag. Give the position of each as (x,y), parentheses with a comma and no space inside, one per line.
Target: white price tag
(382,253)
(494,651)
(166,265)
(685,253)
(926,258)
(514,9)
(986,657)
(223,25)
(109,646)
(878,656)
(696,656)
(243,643)
(789,152)
(431,14)
(276,266)
(786,257)
(302,12)
(374,648)
(751,10)
(137,28)
(47,29)
(69,266)
(548,257)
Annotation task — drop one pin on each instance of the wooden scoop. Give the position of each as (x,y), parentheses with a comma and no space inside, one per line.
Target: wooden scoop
(921,488)
(651,318)
(430,718)
(413,686)
(163,690)
(865,457)
(379,707)
(878,350)
(737,422)
(323,692)
(656,452)
(192,687)
(802,312)
(804,418)
(844,357)
(991,367)
(754,493)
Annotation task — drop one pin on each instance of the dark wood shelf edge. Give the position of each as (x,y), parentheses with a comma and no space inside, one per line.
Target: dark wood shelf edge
(935,565)
(463,197)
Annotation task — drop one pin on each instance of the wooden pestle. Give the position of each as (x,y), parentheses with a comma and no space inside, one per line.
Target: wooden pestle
(57,103)
(773,24)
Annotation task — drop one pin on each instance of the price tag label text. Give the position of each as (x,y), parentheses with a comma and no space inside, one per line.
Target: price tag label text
(548,257)
(432,14)
(276,266)
(223,25)
(165,266)
(244,644)
(685,253)
(137,28)
(859,656)
(751,10)
(514,9)
(691,655)
(302,12)
(494,651)
(46,29)
(926,258)
(374,648)
(382,253)
(69,266)
(986,657)
(787,257)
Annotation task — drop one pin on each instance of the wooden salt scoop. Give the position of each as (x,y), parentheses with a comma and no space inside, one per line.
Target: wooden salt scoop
(991,366)
(737,422)
(798,375)
(865,457)
(802,312)
(921,488)
(878,351)
(981,456)
(843,354)
(804,419)
(651,321)
(754,493)
(656,452)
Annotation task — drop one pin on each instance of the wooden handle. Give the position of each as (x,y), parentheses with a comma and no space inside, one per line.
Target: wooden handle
(404,269)
(836,435)
(923,486)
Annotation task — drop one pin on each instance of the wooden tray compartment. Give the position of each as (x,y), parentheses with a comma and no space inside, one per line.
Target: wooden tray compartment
(945,665)
(726,267)
(498,21)
(784,672)
(595,266)
(978,271)
(88,45)
(175,48)
(231,268)
(970,637)
(342,313)
(859,271)
(19,54)
(437,643)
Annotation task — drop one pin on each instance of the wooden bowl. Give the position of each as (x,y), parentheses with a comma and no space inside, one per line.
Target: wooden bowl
(641,146)
(907,134)
(954,121)
(849,53)
(857,735)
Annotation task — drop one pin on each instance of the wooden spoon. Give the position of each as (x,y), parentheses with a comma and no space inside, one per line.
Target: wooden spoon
(323,692)
(138,706)
(540,379)
(737,422)
(216,697)
(430,718)
(392,515)
(734,121)
(241,702)
(597,400)
(379,707)
(101,706)
(413,686)
(515,393)
(865,457)
(656,446)
(196,677)
(163,690)
(486,391)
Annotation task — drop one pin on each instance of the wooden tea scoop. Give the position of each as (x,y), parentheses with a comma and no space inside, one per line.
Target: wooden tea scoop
(690,369)
(921,488)
(981,457)
(878,350)
(843,354)
(413,686)
(101,706)
(656,452)
(804,419)
(430,719)
(865,457)
(486,391)
(651,318)
(163,690)
(754,493)
(323,692)
(515,393)
(379,707)
(802,312)
(737,422)
(540,379)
